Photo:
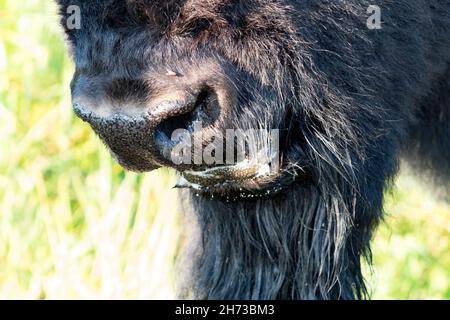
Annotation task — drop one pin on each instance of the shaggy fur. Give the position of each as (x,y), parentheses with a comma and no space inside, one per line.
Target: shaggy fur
(350,102)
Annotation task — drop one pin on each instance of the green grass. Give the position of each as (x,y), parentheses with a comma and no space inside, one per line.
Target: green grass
(74,225)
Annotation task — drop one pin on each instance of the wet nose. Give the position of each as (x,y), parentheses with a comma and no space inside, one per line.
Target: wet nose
(141,127)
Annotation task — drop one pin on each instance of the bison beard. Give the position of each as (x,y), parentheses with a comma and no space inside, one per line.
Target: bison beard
(301,246)
(349,102)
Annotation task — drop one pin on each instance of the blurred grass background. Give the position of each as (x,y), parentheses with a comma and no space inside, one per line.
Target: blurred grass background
(74,225)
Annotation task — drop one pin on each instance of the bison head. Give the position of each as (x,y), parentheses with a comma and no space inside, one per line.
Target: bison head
(153,75)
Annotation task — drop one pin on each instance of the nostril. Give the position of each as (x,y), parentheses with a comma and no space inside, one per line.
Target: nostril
(166,128)
(205,109)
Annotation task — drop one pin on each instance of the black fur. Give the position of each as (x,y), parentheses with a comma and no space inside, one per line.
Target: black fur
(349,100)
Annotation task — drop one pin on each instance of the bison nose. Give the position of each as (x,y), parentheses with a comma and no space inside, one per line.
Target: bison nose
(147,129)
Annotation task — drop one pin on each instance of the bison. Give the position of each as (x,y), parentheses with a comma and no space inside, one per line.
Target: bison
(350,87)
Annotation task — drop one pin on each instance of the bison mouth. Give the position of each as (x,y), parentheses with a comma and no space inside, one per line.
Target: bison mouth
(243,180)
(246,180)
(238,183)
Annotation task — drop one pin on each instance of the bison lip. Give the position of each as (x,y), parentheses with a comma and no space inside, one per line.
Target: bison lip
(234,183)
(222,174)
